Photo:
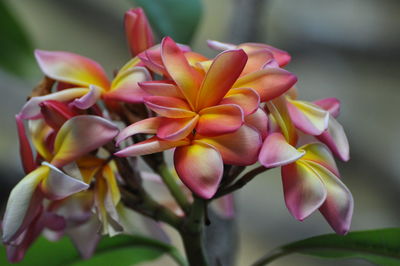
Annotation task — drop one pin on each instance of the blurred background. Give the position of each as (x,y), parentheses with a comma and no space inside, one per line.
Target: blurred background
(347,49)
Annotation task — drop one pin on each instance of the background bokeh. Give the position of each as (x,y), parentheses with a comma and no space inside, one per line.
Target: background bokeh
(347,49)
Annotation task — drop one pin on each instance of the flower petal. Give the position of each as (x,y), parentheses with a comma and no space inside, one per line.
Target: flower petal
(278,109)
(308,117)
(161,88)
(80,135)
(31,108)
(138,31)
(200,167)
(176,128)
(320,154)
(185,76)
(87,100)
(277,152)
(281,56)
(223,73)
(71,68)
(220,46)
(247,98)
(332,105)
(125,87)
(23,203)
(259,121)
(335,138)
(303,189)
(146,126)
(169,106)
(25,150)
(257,60)
(220,119)
(55,113)
(40,132)
(245,140)
(149,146)
(58,185)
(269,82)
(338,206)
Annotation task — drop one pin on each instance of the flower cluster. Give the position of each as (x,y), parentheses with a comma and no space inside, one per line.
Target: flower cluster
(233,110)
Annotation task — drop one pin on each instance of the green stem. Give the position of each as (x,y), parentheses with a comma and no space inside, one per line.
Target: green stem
(174,188)
(192,234)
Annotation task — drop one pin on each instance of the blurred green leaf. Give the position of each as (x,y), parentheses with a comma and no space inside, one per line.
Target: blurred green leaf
(15,47)
(381,247)
(116,251)
(176,18)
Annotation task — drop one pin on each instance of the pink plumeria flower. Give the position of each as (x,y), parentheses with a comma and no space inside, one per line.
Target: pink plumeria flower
(76,137)
(89,82)
(309,173)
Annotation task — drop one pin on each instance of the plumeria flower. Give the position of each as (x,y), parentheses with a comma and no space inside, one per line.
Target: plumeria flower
(196,100)
(76,137)
(199,159)
(89,82)
(309,173)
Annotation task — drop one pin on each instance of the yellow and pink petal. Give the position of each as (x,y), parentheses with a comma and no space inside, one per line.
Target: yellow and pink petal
(258,120)
(303,189)
(58,185)
(176,128)
(332,105)
(149,146)
(81,135)
(308,117)
(277,152)
(71,68)
(161,88)
(146,126)
(219,120)
(179,69)
(169,106)
(338,206)
(335,138)
(222,74)
(125,87)
(247,98)
(245,140)
(268,82)
(200,167)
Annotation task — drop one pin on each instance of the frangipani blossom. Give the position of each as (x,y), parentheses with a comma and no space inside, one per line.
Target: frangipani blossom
(199,159)
(88,79)
(76,137)
(309,173)
(195,101)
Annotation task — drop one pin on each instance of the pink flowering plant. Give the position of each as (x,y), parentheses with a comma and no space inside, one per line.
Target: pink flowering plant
(225,119)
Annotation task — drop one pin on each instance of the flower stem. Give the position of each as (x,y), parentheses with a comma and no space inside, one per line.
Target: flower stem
(173,186)
(192,234)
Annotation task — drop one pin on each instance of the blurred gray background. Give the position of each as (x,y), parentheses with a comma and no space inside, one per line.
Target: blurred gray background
(347,49)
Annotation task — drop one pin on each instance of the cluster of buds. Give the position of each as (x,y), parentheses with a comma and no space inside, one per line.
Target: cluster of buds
(218,115)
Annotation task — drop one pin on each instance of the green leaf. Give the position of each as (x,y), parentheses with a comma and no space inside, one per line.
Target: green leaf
(16,53)
(176,18)
(116,251)
(380,246)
